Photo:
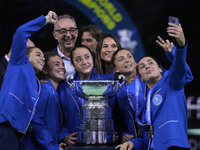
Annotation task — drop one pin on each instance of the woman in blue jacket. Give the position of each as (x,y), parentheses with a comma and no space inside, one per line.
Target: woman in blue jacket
(20,90)
(47,119)
(165,110)
(81,58)
(107,45)
(129,99)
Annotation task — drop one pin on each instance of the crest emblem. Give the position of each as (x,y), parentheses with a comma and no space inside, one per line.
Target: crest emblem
(157,99)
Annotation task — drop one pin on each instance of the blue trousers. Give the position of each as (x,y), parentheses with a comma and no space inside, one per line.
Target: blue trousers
(10,138)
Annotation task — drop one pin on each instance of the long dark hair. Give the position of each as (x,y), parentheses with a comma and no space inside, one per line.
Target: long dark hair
(98,61)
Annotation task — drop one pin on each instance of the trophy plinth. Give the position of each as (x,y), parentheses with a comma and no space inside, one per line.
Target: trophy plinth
(95,124)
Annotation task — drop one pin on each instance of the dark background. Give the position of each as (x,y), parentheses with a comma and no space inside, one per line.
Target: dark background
(149,16)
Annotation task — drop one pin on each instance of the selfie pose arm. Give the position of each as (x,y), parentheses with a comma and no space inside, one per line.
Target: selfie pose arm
(183,70)
(24,32)
(170,49)
(16,106)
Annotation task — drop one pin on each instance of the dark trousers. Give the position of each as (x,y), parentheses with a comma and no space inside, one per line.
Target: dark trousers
(10,138)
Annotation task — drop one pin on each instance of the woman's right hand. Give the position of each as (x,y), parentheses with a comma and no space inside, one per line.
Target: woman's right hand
(51,17)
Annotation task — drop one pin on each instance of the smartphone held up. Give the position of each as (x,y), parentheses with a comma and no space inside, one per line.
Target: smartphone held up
(173,20)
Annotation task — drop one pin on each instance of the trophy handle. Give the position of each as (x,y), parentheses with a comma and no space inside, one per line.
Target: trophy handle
(70,77)
(123,80)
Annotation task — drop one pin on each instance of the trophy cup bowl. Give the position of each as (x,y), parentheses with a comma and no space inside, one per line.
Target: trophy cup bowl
(95,124)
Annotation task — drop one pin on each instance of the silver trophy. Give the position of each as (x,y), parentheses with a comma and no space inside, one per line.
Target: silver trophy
(95,124)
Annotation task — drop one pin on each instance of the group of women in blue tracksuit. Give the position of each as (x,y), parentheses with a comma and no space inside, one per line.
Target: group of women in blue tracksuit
(149,110)
(138,108)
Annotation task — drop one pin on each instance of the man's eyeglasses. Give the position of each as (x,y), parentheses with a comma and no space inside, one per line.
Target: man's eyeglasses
(64,31)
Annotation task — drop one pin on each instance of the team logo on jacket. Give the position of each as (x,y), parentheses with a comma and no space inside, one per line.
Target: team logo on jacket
(157,99)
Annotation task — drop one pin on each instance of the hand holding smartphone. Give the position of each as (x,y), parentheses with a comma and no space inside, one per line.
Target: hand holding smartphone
(179,36)
(173,20)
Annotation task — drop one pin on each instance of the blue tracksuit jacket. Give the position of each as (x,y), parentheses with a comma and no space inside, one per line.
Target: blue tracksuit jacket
(168,105)
(20,90)
(127,114)
(46,121)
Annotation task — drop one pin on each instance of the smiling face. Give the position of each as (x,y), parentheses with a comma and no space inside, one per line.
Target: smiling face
(89,41)
(124,62)
(109,46)
(36,58)
(149,70)
(55,70)
(83,62)
(65,41)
